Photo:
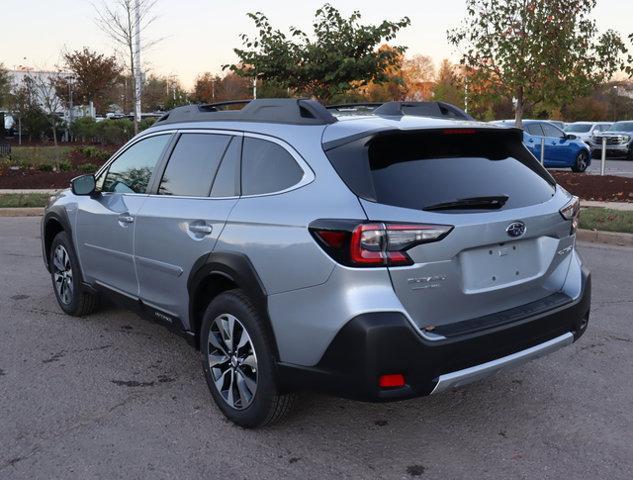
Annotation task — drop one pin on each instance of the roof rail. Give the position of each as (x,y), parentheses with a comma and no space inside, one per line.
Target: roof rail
(371,106)
(422,109)
(272,110)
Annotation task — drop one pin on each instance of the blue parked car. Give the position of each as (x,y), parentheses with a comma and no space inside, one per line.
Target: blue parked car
(561,149)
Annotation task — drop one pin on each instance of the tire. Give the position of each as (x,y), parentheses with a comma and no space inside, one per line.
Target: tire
(241,370)
(630,155)
(66,276)
(581,163)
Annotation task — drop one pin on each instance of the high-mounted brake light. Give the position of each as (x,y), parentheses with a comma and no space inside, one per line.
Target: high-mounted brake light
(459,131)
(571,211)
(374,244)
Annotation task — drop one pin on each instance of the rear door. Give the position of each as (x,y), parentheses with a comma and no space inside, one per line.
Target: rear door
(182,218)
(495,258)
(533,134)
(558,150)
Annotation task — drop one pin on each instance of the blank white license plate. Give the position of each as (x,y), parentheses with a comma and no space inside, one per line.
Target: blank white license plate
(500,264)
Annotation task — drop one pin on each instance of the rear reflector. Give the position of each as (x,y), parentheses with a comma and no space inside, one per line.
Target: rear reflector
(392,380)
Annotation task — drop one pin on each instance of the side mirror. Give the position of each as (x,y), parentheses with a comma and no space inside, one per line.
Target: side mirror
(83,185)
(570,136)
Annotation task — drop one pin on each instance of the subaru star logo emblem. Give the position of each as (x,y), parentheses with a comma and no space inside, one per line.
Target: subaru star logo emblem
(515,229)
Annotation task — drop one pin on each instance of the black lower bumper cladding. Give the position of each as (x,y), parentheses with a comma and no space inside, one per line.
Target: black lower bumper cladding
(375,344)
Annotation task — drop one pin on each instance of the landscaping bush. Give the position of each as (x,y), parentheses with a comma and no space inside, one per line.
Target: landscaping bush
(93,152)
(45,167)
(88,168)
(65,166)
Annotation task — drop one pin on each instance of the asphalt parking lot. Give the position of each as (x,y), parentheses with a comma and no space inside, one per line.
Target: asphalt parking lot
(113,396)
(622,168)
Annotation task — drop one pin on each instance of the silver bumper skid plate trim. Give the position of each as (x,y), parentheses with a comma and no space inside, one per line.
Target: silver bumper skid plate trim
(478,372)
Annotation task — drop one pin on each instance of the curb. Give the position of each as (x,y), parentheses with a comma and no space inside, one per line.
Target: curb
(606,238)
(22,212)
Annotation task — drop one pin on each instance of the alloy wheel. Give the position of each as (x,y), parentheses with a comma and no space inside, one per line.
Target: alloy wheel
(582,161)
(232,361)
(63,275)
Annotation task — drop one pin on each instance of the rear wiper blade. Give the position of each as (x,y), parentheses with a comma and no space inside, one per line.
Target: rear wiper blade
(475,203)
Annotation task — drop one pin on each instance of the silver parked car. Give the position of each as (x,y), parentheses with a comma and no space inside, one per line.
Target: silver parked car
(378,257)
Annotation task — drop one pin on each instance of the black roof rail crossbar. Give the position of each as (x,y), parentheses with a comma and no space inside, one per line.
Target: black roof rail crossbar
(273,110)
(422,109)
(349,106)
(218,106)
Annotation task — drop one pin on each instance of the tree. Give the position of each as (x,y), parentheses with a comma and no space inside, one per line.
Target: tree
(340,54)
(46,96)
(537,51)
(5,86)
(210,88)
(448,85)
(93,78)
(25,108)
(124,21)
(418,73)
(163,93)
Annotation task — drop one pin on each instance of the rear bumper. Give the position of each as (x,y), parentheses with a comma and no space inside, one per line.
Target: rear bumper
(375,344)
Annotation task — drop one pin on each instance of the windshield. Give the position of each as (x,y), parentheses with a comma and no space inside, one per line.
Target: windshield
(621,127)
(578,128)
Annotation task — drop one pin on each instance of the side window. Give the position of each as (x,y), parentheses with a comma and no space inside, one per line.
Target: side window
(534,129)
(227,180)
(132,170)
(193,164)
(267,167)
(552,131)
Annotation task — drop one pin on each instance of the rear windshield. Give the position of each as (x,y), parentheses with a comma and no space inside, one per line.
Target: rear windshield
(580,128)
(622,127)
(423,169)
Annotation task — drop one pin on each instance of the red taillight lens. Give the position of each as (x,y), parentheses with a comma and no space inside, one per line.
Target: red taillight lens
(391,381)
(374,244)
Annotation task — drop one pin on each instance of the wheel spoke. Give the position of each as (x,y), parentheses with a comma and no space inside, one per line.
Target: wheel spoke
(230,397)
(219,382)
(228,324)
(243,389)
(249,383)
(244,339)
(217,343)
(57,261)
(250,361)
(216,360)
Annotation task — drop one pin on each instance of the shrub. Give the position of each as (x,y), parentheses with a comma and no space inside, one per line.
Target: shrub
(65,166)
(88,168)
(45,167)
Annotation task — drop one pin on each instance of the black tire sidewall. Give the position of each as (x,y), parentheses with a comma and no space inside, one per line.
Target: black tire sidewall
(62,239)
(238,305)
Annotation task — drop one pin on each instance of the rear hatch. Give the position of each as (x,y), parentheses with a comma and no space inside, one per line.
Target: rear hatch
(509,246)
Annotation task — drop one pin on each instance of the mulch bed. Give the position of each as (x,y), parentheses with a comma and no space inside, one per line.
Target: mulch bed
(607,188)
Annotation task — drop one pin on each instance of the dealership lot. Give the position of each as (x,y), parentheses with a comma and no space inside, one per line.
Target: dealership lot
(113,396)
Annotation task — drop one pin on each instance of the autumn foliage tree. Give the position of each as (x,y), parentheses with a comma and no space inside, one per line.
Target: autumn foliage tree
(536,51)
(93,77)
(341,53)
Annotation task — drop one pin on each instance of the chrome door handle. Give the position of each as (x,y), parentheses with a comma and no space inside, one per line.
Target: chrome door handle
(126,218)
(201,229)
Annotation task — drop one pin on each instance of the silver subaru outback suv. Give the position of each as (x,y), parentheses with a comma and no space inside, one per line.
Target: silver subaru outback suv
(376,257)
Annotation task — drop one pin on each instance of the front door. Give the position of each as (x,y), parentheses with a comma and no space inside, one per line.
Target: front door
(181,221)
(105,221)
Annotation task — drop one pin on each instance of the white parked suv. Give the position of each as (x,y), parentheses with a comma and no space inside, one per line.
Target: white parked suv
(585,130)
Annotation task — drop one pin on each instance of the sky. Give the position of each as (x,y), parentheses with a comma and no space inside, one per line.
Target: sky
(199,35)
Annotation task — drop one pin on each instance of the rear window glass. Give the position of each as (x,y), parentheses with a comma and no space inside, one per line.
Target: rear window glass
(422,169)
(579,128)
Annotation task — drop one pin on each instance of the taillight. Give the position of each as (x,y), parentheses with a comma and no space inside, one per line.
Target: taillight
(373,244)
(571,211)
